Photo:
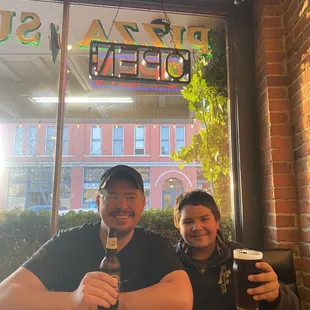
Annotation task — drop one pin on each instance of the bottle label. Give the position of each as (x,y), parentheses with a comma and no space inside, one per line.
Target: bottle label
(116,277)
(112,243)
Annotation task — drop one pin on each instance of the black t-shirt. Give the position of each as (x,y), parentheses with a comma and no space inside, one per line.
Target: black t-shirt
(62,262)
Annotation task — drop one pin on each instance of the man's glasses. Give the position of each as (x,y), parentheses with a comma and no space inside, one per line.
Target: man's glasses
(114,199)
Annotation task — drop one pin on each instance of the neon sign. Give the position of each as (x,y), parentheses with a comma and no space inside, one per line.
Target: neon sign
(122,62)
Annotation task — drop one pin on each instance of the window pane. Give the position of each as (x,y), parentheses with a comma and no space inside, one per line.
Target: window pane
(139,151)
(65,147)
(17,190)
(165,148)
(32,136)
(65,133)
(139,144)
(31,147)
(32,133)
(179,133)
(139,132)
(18,144)
(179,145)
(93,174)
(118,148)
(50,132)
(50,147)
(164,132)
(96,133)
(118,133)
(18,174)
(96,148)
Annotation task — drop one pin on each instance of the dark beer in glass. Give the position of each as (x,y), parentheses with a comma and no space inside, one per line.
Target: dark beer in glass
(244,265)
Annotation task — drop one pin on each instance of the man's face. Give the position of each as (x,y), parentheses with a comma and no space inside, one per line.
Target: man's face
(198,226)
(121,205)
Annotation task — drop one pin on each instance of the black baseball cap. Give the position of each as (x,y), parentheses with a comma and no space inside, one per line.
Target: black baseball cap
(122,172)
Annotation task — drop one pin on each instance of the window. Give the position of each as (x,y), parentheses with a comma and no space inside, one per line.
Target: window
(118,140)
(32,140)
(95,148)
(179,138)
(139,140)
(93,174)
(145,173)
(39,190)
(51,138)
(18,143)
(92,178)
(164,140)
(65,141)
(17,187)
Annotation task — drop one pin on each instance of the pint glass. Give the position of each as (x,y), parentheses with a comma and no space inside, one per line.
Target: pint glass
(244,265)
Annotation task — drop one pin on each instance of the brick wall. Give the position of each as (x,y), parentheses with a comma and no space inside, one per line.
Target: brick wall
(282,39)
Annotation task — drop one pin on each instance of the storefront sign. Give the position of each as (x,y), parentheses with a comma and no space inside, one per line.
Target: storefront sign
(117,62)
(29,32)
(91,185)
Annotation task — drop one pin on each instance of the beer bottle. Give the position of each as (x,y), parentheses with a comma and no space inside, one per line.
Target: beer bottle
(110,263)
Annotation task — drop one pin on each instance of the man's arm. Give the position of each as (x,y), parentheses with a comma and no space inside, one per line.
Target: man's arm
(173,292)
(23,290)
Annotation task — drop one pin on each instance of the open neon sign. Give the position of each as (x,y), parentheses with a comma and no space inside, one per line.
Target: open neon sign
(139,63)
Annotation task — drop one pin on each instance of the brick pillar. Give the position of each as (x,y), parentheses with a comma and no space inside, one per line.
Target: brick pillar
(282,38)
(275,126)
(296,20)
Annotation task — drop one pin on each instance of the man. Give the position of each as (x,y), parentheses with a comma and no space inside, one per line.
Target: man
(208,259)
(63,274)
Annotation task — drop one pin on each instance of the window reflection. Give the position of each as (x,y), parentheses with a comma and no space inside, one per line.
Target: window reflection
(106,123)
(29,187)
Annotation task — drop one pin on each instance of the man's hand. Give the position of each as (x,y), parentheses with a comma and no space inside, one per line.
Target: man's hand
(95,289)
(268,291)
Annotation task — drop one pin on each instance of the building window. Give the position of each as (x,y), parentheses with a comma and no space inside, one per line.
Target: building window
(65,141)
(139,140)
(51,138)
(179,138)
(17,187)
(39,191)
(95,148)
(118,140)
(32,140)
(145,174)
(92,178)
(32,188)
(18,141)
(164,140)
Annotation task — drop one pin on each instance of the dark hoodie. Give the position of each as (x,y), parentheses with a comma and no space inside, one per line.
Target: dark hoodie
(213,286)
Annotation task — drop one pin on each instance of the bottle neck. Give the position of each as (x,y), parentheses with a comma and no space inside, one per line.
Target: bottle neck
(111,245)
(111,252)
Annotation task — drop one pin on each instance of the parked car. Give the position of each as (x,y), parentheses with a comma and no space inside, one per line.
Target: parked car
(62,212)
(38,208)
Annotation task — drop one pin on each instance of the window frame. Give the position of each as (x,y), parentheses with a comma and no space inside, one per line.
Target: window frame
(135,140)
(91,140)
(161,140)
(114,140)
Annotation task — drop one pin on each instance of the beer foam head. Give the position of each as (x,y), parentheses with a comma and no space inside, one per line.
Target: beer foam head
(247,254)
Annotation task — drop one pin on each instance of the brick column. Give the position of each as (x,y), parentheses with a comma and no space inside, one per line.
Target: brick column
(282,38)
(275,126)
